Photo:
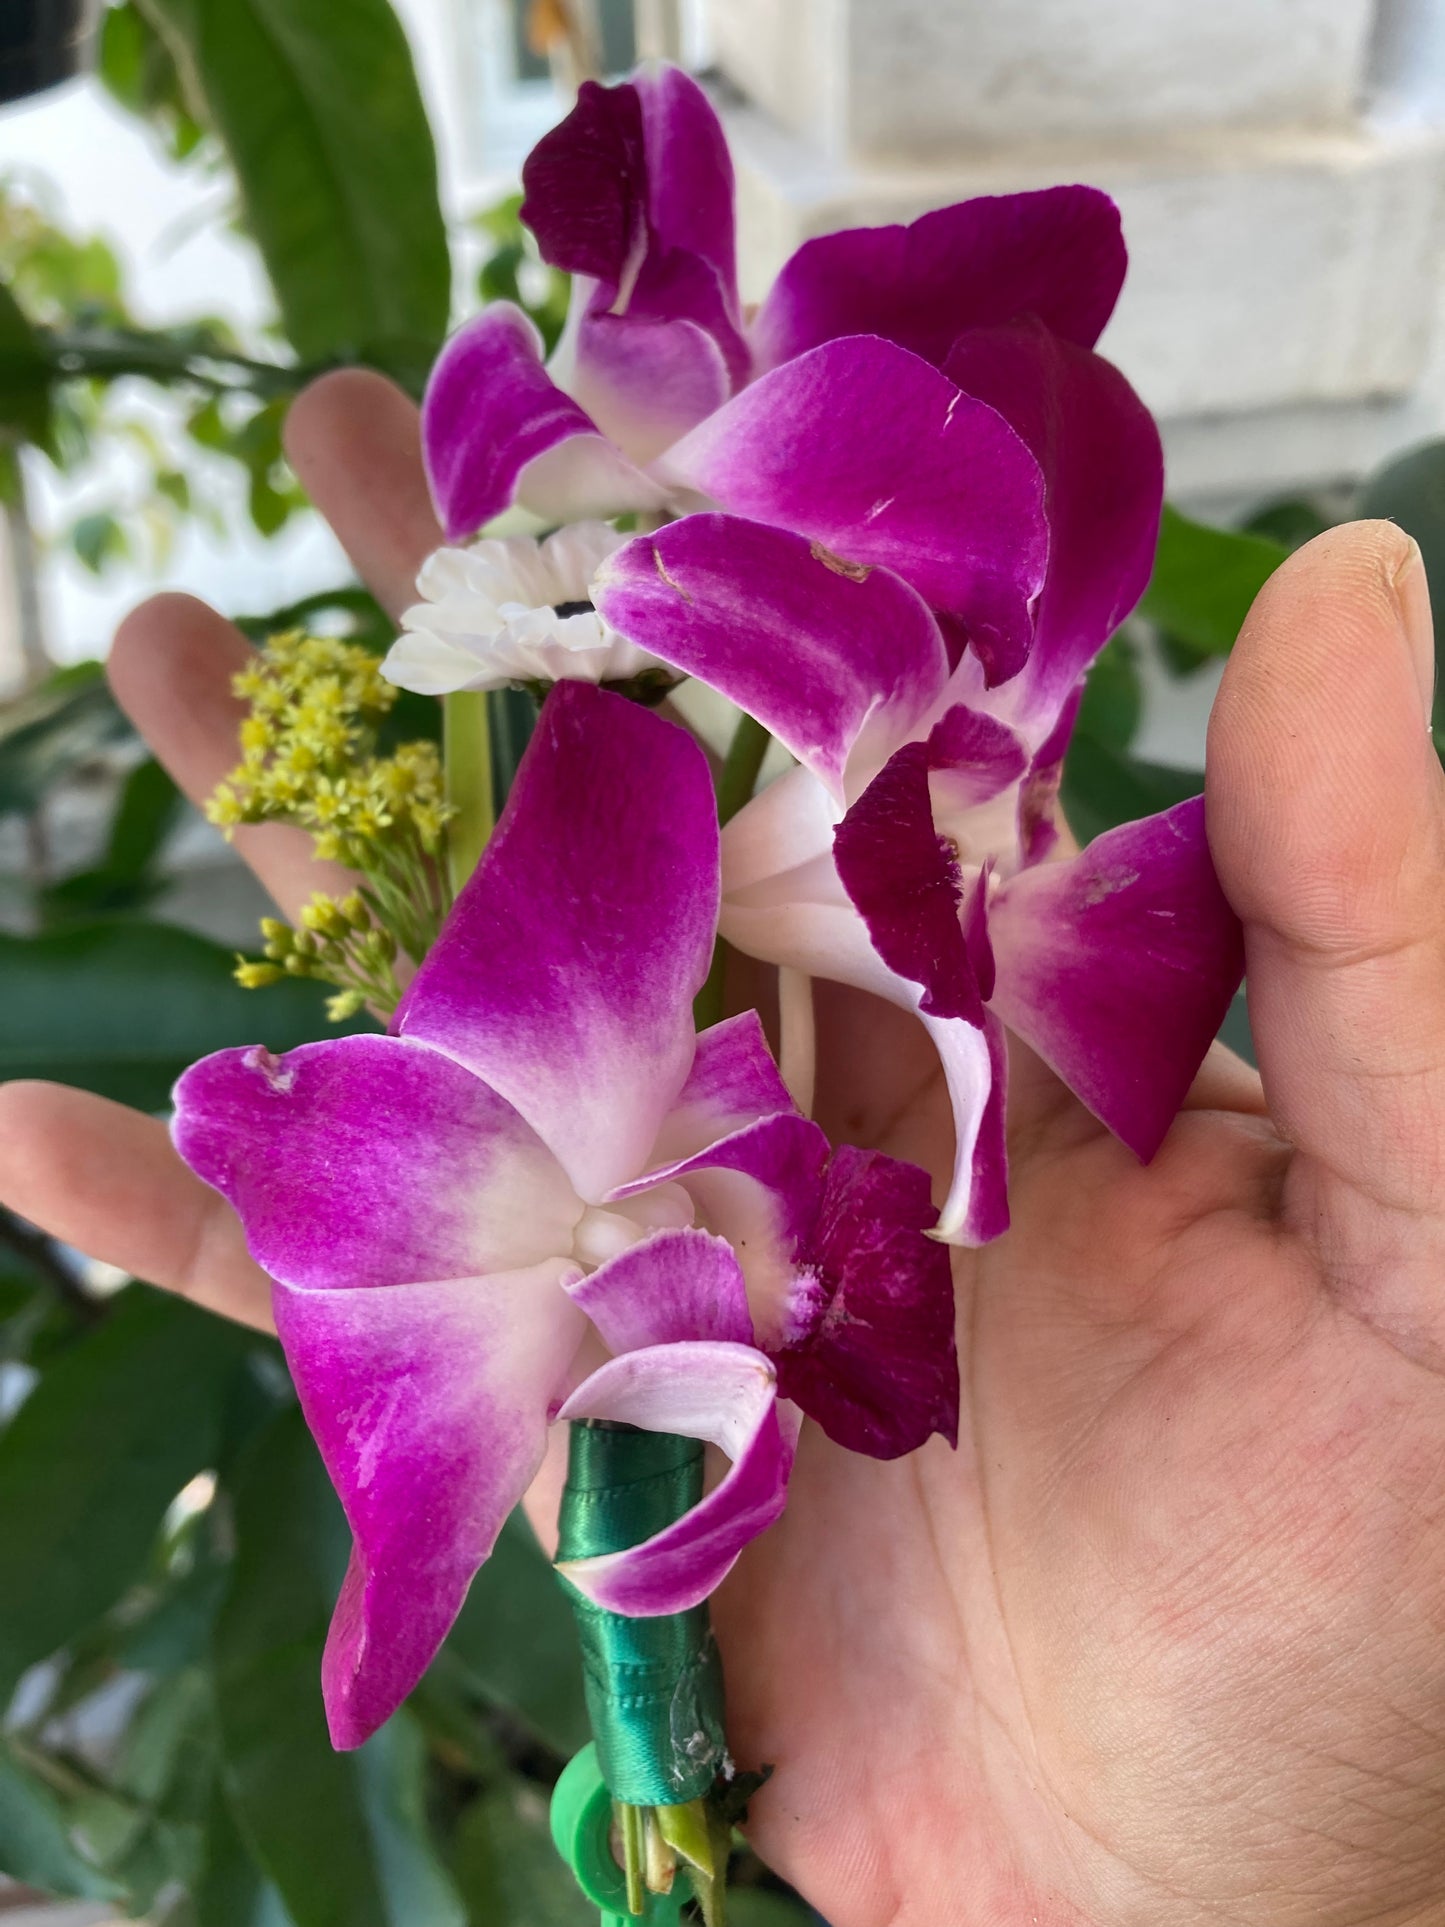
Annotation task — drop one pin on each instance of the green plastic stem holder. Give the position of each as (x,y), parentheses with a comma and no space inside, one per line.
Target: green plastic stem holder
(653,1685)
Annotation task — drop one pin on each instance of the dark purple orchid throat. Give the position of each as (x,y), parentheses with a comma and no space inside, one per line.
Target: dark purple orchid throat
(905,507)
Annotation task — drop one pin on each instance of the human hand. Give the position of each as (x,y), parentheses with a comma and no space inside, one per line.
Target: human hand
(1158,1644)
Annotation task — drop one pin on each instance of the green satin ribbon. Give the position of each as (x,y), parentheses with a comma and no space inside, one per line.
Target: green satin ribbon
(654,1686)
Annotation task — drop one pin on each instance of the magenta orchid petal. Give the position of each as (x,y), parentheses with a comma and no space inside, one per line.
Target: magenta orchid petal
(495,427)
(972,758)
(1058,254)
(975,1068)
(633,194)
(567,969)
(870,1351)
(816,652)
(674,1286)
(1103,466)
(759,1188)
(904,881)
(727,1395)
(430,1404)
(634,169)
(866,449)
(366,1161)
(733,1082)
(1117,967)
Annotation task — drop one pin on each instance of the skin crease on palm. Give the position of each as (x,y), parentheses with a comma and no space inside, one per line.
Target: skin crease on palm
(1164,1641)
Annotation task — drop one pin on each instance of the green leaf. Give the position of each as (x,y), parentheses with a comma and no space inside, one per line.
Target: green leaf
(149,808)
(122,1008)
(517,1643)
(1292,521)
(42,739)
(1204,581)
(749,1907)
(88,1465)
(1104,787)
(1113,698)
(507,1867)
(99,539)
(24,374)
(1411,491)
(341,1835)
(317,104)
(35,1840)
(231,1890)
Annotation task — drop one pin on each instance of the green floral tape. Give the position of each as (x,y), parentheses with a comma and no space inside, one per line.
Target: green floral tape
(654,1686)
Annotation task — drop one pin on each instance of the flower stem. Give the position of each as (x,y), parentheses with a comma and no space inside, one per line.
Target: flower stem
(738,776)
(467,750)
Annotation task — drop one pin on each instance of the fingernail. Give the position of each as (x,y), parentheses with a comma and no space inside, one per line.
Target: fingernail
(1412,598)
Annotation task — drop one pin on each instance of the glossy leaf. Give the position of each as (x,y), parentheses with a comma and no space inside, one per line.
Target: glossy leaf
(510,1873)
(24,375)
(317,104)
(1203,583)
(122,1008)
(341,1835)
(516,1641)
(36,1846)
(116,1426)
(1104,787)
(1113,697)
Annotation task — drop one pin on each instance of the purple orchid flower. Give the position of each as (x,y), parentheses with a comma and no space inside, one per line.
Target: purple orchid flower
(905,854)
(840,413)
(540,1165)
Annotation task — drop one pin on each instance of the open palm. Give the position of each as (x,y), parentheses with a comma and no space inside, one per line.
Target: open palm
(1165,1640)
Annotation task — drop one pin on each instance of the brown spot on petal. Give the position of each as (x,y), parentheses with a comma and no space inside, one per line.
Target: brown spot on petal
(854,571)
(662,571)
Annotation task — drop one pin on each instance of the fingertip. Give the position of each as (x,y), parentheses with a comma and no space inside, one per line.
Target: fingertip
(1323,788)
(354,440)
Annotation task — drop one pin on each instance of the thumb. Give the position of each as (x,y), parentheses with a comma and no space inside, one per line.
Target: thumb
(1326,810)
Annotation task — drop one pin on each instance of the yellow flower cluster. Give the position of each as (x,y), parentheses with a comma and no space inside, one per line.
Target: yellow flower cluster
(308,757)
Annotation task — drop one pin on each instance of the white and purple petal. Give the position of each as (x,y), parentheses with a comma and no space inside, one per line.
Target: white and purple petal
(868,450)
(725,1394)
(496,428)
(368,1161)
(817,651)
(1117,967)
(733,1082)
(975,1068)
(760,1188)
(566,972)
(905,883)
(1058,254)
(672,1287)
(430,1404)
(870,1350)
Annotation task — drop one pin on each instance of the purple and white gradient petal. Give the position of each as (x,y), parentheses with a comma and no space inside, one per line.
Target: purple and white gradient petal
(871,452)
(363,1161)
(566,971)
(817,651)
(429,1403)
(675,1286)
(496,429)
(1117,967)
(725,1394)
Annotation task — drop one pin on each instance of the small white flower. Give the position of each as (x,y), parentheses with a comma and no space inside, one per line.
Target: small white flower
(513,610)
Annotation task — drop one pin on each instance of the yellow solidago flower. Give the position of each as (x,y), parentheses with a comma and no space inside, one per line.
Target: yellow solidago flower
(308,749)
